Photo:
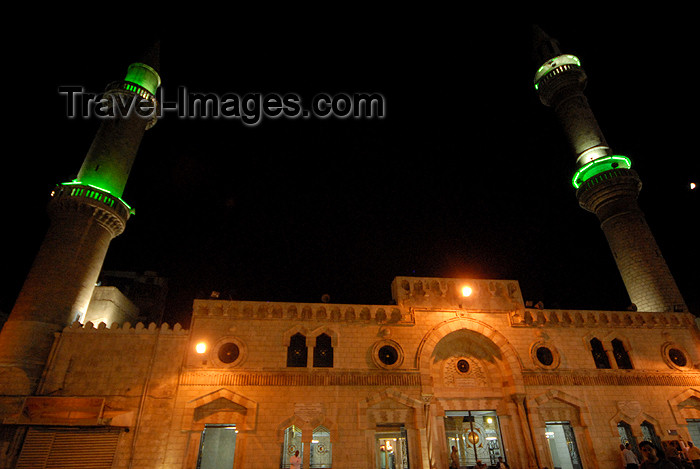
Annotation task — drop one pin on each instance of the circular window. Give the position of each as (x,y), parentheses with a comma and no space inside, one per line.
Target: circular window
(545,356)
(463,366)
(228,353)
(387,354)
(677,357)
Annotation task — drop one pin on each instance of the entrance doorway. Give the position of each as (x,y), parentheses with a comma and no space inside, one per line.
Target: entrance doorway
(562,445)
(217,447)
(477,436)
(391,447)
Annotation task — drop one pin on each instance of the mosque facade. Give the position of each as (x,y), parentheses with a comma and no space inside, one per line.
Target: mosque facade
(450,363)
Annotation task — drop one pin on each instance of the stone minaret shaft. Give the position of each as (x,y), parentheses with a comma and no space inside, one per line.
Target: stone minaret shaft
(85,215)
(606,184)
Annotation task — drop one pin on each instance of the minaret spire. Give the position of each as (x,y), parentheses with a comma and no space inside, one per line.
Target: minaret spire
(606,185)
(86,214)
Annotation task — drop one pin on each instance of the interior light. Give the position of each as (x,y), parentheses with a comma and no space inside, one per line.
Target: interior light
(466,290)
(489,420)
(201,347)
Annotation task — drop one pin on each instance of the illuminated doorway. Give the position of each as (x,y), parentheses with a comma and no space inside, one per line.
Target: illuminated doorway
(477,436)
(562,445)
(321,455)
(292,443)
(217,447)
(391,448)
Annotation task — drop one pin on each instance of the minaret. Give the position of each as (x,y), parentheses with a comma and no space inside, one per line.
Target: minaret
(85,215)
(605,183)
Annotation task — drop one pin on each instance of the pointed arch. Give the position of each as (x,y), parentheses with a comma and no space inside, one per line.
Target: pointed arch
(237,403)
(632,414)
(296,329)
(307,426)
(431,339)
(556,395)
(328,330)
(367,406)
(684,403)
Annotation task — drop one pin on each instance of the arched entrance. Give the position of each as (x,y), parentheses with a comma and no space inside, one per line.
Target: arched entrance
(473,375)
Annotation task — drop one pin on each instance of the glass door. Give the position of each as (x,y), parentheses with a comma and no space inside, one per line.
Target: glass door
(391,448)
(562,445)
(217,447)
(476,434)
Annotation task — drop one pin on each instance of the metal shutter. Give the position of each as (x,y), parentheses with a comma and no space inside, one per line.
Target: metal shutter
(68,448)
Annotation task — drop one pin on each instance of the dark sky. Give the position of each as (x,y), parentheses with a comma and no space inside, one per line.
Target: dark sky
(467,175)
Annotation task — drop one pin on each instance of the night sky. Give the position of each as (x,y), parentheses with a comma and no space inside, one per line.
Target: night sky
(467,175)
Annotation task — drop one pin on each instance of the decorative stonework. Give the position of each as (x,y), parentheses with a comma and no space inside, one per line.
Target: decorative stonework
(387,354)
(610,378)
(265,310)
(545,355)
(272,378)
(630,409)
(126,328)
(441,293)
(309,412)
(463,371)
(108,211)
(564,318)
(228,352)
(676,357)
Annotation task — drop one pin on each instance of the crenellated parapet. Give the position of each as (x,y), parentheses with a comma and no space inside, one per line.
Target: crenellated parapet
(456,293)
(126,328)
(264,310)
(565,318)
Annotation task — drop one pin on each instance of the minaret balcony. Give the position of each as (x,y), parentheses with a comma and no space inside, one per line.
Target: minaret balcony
(135,90)
(114,211)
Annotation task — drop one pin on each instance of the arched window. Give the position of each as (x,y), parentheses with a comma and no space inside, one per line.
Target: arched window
(622,358)
(626,436)
(600,356)
(649,433)
(292,444)
(321,455)
(323,351)
(297,352)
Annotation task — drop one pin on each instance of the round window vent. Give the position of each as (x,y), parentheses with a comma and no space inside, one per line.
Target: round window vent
(677,357)
(545,356)
(228,353)
(388,355)
(463,366)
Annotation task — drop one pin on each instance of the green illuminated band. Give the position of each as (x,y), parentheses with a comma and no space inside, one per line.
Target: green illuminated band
(558,64)
(598,166)
(93,192)
(144,76)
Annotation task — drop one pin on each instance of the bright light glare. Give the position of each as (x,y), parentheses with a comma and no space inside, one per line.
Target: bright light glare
(201,347)
(466,291)
(692,186)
